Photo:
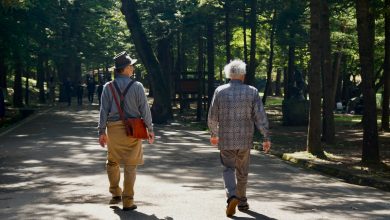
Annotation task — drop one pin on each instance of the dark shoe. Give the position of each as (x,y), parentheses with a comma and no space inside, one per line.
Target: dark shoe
(231,207)
(115,200)
(130,208)
(242,207)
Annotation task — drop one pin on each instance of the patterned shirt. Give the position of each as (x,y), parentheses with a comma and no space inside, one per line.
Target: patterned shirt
(135,104)
(234,111)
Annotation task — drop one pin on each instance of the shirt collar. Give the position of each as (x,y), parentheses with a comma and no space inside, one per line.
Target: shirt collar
(236,81)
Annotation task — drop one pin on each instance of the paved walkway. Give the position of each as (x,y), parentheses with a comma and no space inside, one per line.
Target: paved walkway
(51,167)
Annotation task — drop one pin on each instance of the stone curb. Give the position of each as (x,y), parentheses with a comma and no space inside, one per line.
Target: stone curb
(337,172)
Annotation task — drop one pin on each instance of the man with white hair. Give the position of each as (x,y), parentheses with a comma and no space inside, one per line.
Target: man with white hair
(234,111)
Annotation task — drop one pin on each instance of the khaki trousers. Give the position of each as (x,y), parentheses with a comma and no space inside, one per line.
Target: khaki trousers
(124,151)
(235,172)
(113,171)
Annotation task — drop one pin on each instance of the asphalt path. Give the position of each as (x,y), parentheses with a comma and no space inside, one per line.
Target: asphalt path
(51,167)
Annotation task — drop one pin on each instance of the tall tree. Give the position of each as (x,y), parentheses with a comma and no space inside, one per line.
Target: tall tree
(328,132)
(270,59)
(386,73)
(161,108)
(314,129)
(228,37)
(366,36)
(250,76)
(210,58)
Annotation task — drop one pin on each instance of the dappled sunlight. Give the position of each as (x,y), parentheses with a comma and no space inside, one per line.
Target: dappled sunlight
(65,166)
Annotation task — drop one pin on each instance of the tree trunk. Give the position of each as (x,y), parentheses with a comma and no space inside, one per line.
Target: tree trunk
(366,34)
(164,56)
(41,78)
(290,71)
(337,73)
(244,32)
(328,133)
(18,94)
(228,37)
(314,129)
(270,60)
(285,83)
(3,72)
(27,88)
(250,75)
(161,108)
(200,75)
(278,83)
(210,59)
(386,73)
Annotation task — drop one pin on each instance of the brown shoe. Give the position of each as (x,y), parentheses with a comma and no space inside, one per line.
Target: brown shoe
(130,208)
(231,207)
(115,200)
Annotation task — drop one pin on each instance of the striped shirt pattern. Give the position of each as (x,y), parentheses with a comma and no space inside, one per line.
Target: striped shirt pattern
(234,111)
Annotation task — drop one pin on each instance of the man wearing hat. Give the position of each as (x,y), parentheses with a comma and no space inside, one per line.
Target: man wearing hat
(122,149)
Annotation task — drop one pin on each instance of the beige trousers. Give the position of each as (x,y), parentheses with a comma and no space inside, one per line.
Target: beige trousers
(125,151)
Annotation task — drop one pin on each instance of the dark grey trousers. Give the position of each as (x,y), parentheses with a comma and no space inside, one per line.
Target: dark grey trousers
(235,172)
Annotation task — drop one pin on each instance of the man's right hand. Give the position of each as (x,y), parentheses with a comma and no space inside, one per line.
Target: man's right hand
(266,146)
(214,141)
(103,140)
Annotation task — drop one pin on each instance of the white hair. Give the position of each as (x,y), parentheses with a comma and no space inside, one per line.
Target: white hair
(235,69)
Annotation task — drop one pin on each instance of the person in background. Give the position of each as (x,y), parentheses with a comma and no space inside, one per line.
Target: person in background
(233,112)
(123,150)
(68,87)
(100,91)
(80,93)
(91,89)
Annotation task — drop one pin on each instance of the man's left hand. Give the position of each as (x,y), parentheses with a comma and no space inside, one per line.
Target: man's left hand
(151,138)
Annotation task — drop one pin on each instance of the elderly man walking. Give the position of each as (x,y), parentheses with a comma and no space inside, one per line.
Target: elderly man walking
(123,150)
(234,111)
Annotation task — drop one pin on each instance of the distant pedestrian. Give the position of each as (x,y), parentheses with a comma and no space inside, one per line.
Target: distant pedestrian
(80,93)
(122,149)
(91,89)
(234,110)
(100,91)
(2,105)
(68,88)
(52,88)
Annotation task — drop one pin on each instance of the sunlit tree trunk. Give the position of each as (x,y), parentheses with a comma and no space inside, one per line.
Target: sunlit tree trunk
(161,108)
(366,34)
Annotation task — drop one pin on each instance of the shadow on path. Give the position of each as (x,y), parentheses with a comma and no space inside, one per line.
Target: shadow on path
(135,215)
(255,215)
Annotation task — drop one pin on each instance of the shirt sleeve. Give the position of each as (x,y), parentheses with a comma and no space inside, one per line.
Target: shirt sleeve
(104,110)
(144,108)
(260,117)
(213,119)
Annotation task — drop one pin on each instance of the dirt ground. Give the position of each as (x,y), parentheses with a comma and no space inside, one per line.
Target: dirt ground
(345,153)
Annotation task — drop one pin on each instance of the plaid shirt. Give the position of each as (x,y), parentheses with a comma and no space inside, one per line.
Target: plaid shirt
(234,110)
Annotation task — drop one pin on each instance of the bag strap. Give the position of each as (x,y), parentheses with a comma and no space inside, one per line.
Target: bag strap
(123,94)
(121,114)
